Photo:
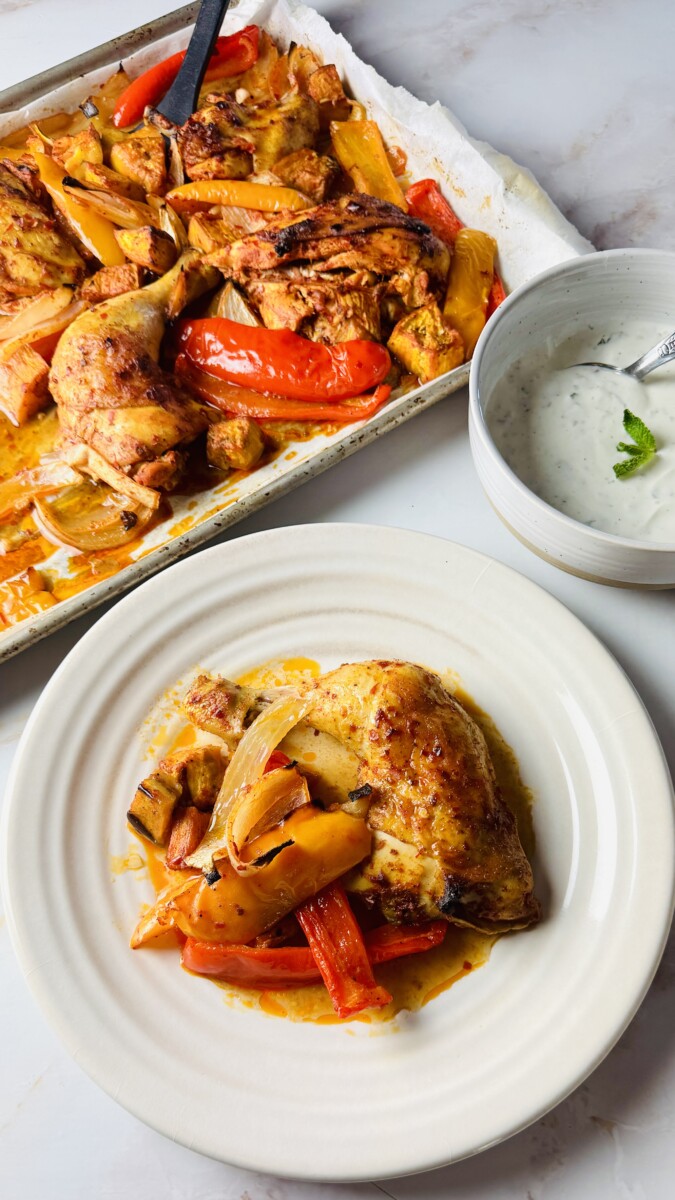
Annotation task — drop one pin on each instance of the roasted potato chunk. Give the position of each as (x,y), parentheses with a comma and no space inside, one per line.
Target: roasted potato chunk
(325,86)
(218,707)
(152,807)
(209,232)
(309,172)
(425,344)
(204,768)
(279,128)
(148,247)
(23,384)
(111,281)
(236,443)
(198,773)
(143,160)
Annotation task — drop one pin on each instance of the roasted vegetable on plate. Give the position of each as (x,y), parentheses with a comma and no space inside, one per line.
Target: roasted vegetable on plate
(174,300)
(279,875)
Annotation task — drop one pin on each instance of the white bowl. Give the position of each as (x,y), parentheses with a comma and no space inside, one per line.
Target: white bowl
(595,287)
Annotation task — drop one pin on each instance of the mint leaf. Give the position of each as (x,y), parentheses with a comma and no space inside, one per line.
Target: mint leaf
(640,450)
(631,464)
(639,432)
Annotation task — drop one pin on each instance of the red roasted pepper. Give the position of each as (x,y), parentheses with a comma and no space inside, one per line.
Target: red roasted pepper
(245,402)
(426,202)
(252,966)
(232,55)
(336,942)
(497,295)
(277,360)
(277,759)
(294,966)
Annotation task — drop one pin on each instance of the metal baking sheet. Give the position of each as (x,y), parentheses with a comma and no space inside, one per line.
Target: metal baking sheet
(487,189)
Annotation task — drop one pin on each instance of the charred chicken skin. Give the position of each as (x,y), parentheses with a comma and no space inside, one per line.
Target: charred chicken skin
(444,841)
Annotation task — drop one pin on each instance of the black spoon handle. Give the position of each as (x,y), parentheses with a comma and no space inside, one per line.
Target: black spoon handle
(181,99)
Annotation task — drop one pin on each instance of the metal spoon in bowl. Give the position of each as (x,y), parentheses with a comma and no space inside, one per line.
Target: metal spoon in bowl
(663,352)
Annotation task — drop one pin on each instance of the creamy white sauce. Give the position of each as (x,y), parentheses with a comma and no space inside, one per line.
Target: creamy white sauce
(558,425)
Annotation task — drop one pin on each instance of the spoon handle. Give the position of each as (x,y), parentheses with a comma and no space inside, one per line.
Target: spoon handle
(181,99)
(662,353)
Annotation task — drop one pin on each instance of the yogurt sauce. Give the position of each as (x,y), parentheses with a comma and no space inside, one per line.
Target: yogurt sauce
(557,426)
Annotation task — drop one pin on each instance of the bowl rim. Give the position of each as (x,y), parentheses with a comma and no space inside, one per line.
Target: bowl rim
(477,414)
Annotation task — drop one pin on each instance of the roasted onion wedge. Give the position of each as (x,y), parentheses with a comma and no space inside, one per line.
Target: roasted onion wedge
(90,516)
(245,769)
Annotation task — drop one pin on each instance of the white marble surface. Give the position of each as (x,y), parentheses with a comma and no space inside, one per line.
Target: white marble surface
(581,92)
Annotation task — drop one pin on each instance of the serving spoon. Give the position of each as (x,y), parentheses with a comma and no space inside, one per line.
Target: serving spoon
(663,352)
(181,99)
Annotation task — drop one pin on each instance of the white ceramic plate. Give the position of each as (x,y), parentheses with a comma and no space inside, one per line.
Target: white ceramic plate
(337,1102)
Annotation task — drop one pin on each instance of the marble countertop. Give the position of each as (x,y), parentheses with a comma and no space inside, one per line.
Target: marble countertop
(575,90)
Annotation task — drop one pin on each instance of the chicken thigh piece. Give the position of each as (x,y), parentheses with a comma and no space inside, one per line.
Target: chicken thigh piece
(433,788)
(444,841)
(106,379)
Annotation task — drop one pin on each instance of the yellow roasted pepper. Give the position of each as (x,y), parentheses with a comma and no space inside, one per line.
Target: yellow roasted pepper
(237,908)
(360,151)
(96,233)
(240,192)
(469,282)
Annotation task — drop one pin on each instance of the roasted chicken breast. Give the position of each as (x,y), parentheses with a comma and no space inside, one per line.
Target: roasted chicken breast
(330,272)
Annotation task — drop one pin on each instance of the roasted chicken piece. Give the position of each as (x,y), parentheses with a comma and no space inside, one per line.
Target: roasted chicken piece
(34,254)
(344,233)
(445,842)
(331,272)
(106,379)
(356,233)
(226,140)
(210,145)
(330,310)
